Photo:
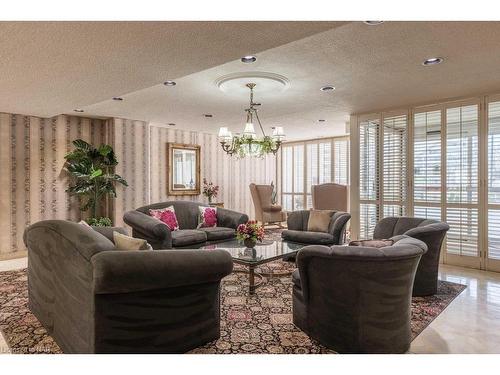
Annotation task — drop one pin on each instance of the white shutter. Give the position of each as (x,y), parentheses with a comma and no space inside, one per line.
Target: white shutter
(394,165)
(325,162)
(341,168)
(427,157)
(287,177)
(493,180)
(462,182)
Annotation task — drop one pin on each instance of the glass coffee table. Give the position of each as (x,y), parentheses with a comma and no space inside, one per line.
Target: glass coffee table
(263,252)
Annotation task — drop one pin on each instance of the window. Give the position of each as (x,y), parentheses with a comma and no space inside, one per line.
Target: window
(493,184)
(308,163)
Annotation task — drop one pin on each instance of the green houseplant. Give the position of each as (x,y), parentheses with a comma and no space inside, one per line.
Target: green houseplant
(93,177)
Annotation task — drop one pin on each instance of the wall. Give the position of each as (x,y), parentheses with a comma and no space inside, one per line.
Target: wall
(32,179)
(141,150)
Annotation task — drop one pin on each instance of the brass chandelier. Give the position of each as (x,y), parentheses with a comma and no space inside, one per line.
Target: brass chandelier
(248,144)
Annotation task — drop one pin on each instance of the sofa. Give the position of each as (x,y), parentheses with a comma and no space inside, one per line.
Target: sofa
(188,236)
(265,211)
(93,298)
(297,223)
(356,299)
(432,233)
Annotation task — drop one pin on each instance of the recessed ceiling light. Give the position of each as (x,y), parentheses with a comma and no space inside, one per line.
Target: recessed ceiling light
(248,59)
(169,83)
(208,115)
(327,88)
(117,98)
(171,124)
(321,120)
(373,23)
(432,61)
(79,110)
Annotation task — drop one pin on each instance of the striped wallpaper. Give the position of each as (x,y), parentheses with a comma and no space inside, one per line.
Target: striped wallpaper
(33,182)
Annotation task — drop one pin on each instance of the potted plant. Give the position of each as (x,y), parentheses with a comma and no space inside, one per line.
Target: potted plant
(210,190)
(249,233)
(93,177)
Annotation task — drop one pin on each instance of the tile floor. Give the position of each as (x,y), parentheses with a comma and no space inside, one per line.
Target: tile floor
(471,324)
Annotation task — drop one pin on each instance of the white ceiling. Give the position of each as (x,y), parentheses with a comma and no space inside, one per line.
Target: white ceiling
(372,67)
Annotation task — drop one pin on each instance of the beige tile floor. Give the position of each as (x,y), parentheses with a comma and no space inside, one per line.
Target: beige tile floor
(471,324)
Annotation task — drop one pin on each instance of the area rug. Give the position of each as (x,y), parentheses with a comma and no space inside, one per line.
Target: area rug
(249,324)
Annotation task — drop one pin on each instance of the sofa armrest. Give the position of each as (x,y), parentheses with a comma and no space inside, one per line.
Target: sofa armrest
(148,225)
(134,271)
(230,219)
(337,226)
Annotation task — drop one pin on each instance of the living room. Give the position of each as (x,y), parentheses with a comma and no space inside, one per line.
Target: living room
(294,185)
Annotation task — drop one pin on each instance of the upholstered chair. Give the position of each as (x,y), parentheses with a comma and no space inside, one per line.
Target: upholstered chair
(357,299)
(265,211)
(189,235)
(330,196)
(297,224)
(432,232)
(93,298)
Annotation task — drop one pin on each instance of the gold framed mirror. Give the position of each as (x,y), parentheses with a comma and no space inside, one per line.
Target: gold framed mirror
(183,162)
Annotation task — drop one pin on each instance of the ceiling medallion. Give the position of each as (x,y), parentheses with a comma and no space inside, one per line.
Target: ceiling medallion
(248,144)
(267,83)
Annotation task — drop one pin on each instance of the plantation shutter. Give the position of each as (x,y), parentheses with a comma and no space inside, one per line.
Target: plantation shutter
(494,180)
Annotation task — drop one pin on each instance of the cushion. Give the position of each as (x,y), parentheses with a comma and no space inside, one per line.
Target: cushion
(167,216)
(319,220)
(207,217)
(316,238)
(84,223)
(219,233)
(186,237)
(123,242)
(372,243)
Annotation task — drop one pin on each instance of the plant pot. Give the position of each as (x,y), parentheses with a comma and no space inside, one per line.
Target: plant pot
(250,243)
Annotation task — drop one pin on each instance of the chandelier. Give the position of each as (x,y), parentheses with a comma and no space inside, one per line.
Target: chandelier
(249,144)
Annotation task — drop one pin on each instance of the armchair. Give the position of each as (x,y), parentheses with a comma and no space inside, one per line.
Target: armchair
(357,299)
(432,233)
(297,223)
(188,236)
(92,298)
(265,210)
(330,196)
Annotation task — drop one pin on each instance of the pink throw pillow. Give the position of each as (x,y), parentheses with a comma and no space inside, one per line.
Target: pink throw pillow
(166,216)
(208,217)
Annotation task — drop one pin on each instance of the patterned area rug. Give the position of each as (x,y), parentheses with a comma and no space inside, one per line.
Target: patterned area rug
(249,324)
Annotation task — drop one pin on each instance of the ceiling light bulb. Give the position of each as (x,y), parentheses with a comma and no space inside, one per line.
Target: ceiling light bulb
(117,98)
(432,61)
(248,59)
(79,110)
(171,124)
(169,83)
(373,23)
(327,88)
(321,120)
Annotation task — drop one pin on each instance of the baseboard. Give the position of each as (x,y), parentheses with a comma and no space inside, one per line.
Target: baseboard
(15,255)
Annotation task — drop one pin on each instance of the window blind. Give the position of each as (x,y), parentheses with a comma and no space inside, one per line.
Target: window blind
(341,157)
(493,184)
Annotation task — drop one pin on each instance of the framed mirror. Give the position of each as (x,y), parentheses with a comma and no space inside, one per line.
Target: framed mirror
(183,169)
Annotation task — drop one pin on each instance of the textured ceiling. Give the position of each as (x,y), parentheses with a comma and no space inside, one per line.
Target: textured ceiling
(48,68)
(372,67)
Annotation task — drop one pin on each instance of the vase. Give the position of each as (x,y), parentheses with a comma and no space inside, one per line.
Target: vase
(210,200)
(250,243)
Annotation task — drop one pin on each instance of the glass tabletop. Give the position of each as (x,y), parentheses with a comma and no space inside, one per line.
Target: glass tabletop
(263,252)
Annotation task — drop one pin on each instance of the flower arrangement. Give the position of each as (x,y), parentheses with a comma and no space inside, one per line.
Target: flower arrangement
(250,233)
(210,190)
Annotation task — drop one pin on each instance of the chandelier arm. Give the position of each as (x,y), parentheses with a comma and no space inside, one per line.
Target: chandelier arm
(258,120)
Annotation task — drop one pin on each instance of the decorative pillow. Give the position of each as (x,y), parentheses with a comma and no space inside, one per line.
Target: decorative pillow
(166,216)
(84,223)
(123,242)
(372,243)
(319,220)
(207,217)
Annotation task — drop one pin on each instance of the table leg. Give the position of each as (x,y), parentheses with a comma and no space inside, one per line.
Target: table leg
(251,280)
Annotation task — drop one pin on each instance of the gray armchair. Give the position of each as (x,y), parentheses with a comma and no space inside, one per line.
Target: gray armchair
(188,236)
(432,233)
(357,299)
(297,229)
(92,298)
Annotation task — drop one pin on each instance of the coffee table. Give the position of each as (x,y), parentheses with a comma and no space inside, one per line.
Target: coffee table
(263,252)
